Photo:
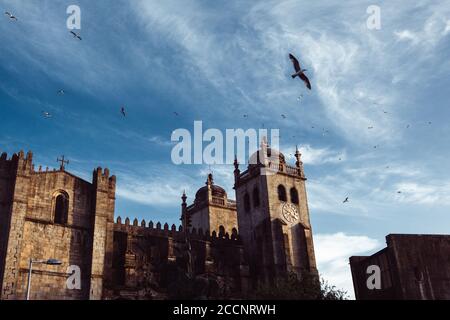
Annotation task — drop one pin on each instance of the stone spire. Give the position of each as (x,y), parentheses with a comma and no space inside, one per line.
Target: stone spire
(237,172)
(299,163)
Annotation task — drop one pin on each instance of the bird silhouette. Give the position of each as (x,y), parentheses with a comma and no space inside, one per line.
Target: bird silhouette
(61,92)
(75,35)
(11,16)
(346,200)
(46,114)
(122,110)
(299,72)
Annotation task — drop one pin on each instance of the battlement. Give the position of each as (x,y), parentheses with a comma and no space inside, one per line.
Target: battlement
(18,161)
(164,231)
(5,161)
(101,177)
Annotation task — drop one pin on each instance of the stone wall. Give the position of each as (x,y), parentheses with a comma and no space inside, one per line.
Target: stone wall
(144,253)
(33,232)
(413,267)
(7,179)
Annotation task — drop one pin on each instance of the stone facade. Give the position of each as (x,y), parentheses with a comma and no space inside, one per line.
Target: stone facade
(212,210)
(273,217)
(30,231)
(412,267)
(54,214)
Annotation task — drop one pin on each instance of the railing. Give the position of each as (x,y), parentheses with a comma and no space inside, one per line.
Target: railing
(218,201)
(278,167)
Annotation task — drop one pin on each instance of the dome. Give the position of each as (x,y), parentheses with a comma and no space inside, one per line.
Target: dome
(202,193)
(217,191)
(256,157)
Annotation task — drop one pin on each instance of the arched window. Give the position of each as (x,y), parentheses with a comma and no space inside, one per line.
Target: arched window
(61,209)
(294,195)
(221,231)
(256,201)
(282,193)
(247,202)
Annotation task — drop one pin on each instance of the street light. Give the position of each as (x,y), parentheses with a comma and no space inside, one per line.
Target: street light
(50,262)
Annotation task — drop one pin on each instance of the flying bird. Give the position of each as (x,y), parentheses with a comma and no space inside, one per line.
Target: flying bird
(283,116)
(122,110)
(346,200)
(75,35)
(299,72)
(176,113)
(370,128)
(245,116)
(61,92)
(46,115)
(10,15)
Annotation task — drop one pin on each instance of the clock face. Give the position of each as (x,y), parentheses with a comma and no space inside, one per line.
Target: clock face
(290,213)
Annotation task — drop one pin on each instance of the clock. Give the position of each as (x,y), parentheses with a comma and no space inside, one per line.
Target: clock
(289,213)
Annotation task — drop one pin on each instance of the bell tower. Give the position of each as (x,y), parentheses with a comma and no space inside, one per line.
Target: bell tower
(273,216)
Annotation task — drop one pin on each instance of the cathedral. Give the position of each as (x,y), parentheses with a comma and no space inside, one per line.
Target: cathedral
(264,234)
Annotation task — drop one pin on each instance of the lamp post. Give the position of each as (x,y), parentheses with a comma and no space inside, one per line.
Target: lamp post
(50,262)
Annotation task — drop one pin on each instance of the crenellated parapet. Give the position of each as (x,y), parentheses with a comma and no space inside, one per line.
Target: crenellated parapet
(160,230)
(103,181)
(19,163)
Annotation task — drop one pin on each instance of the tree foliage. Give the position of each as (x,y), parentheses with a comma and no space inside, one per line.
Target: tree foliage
(293,288)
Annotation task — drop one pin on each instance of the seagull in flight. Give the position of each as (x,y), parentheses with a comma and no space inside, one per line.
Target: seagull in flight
(46,114)
(299,72)
(283,116)
(75,35)
(11,16)
(61,92)
(122,111)
(346,200)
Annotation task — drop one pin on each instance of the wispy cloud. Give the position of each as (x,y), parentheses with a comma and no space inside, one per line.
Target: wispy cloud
(316,156)
(333,252)
(424,193)
(155,185)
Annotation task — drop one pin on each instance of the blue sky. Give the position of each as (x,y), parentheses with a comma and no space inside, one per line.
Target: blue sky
(215,62)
